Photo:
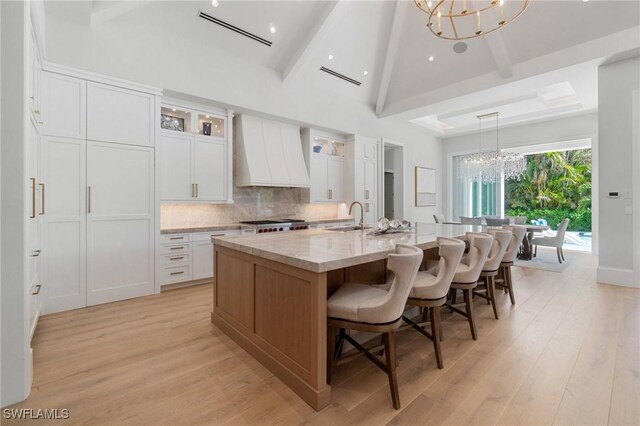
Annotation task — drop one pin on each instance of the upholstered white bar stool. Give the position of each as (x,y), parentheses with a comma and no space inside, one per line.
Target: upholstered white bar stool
(431,287)
(501,240)
(504,274)
(374,309)
(468,273)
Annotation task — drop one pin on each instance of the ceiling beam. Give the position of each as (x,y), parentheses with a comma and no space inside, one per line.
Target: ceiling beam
(390,56)
(292,63)
(500,54)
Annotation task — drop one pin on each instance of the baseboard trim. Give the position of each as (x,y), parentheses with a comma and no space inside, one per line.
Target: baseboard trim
(618,276)
(168,287)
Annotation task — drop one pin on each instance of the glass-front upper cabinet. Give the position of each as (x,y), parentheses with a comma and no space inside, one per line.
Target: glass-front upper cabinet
(179,119)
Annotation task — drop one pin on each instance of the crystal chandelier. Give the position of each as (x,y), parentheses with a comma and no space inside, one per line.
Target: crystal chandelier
(464,19)
(491,165)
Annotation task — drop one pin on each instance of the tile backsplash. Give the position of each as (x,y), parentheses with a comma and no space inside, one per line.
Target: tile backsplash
(249,204)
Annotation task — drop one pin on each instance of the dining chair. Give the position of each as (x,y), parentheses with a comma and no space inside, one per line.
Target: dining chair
(430,290)
(519,220)
(467,275)
(501,240)
(556,241)
(497,222)
(373,309)
(504,279)
(439,218)
(477,220)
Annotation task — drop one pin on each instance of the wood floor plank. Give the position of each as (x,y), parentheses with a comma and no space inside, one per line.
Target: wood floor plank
(567,352)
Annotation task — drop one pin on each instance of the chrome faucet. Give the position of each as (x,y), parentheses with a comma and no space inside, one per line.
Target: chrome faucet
(361,224)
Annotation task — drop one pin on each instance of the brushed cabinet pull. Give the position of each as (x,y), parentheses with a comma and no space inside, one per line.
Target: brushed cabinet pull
(197,191)
(218,235)
(42,189)
(176,258)
(33,197)
(88,199)
(36,253)
(193,190)
(366,207)
(177,273)
(366,194)
(176,248)
(176,238)
(37,290)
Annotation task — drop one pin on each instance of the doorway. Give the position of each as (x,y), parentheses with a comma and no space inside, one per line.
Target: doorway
(393,181)
(389,211)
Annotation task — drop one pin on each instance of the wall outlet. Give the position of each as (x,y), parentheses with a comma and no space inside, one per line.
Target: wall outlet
(626,194)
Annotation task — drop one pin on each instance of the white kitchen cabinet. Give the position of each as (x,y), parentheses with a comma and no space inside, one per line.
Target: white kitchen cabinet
(64,238)
(187,257)
(34,77)
(175,154)
(63,106)
(362,177)
(116,114)
(324,157)
(210,169)
(193,166)
(120,225)
(35,194)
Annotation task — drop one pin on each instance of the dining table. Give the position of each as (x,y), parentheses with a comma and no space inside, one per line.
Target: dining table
(526,252)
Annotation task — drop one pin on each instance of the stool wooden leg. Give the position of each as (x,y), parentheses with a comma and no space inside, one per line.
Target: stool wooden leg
(331,351)
(435,332)
(510,285)
(491,292)
(558,254)
(468,300)
(454,294)
(390,349)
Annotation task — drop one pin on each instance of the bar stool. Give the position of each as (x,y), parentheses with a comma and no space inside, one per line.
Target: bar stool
(369,308)
(501,240)
(430,290)
(504,274)
(467,274)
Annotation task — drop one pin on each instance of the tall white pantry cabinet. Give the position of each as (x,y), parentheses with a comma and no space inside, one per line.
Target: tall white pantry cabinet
(99,204)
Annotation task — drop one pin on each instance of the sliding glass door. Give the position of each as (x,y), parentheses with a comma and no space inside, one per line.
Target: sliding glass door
(472,198)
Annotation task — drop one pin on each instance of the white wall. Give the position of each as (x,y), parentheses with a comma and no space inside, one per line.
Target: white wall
(618,118)
(147,53)
(15,353)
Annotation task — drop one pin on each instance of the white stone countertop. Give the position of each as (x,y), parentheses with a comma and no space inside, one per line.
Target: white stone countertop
(319,250)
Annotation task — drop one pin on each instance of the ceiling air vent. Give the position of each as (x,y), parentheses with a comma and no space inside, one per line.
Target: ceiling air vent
(228,26)
(337,74)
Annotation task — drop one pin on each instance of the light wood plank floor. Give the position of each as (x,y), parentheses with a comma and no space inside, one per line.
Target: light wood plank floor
(567,353)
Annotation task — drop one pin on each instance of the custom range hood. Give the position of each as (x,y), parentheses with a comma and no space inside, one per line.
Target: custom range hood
(268,153)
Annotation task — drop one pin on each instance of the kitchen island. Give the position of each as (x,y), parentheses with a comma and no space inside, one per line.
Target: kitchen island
(271,291)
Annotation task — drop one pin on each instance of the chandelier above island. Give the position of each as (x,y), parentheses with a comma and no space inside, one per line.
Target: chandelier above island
(491,165)
(465,19)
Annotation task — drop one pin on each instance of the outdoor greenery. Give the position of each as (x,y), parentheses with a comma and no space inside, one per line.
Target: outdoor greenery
(556,185)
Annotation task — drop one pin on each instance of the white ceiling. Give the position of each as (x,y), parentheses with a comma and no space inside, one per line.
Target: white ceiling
(542,65)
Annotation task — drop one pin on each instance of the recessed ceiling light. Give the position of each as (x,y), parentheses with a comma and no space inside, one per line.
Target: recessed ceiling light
(173,109)
(272,29)
(365,73)
(584,1)
(330,57)
(431,59)
(215,3)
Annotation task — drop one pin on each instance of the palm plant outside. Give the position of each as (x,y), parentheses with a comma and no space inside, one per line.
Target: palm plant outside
(555,185)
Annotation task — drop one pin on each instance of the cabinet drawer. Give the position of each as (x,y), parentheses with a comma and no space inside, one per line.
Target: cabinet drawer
(206,236)
(177,274)
(175,248)
(174,238)
(177,259)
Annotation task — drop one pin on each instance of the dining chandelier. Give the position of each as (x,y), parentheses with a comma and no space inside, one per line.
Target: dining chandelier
(491,165)
(464,19)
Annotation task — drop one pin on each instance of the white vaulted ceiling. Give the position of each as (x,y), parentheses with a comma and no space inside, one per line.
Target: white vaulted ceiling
(542,65)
